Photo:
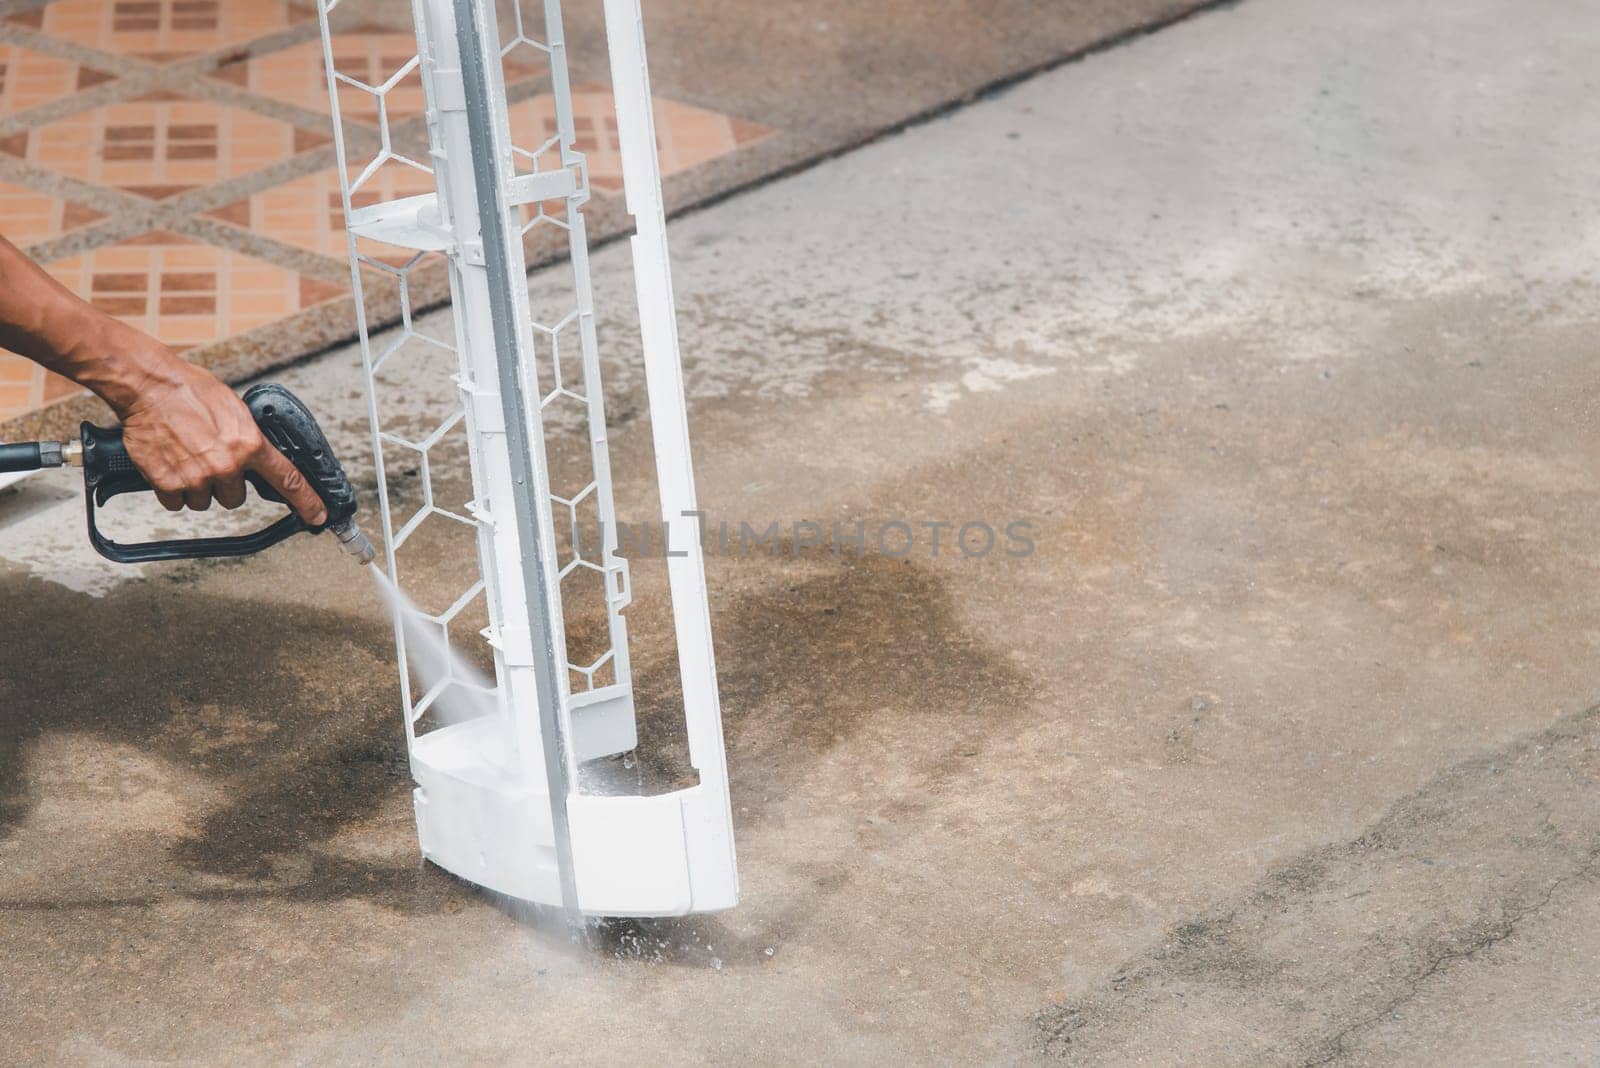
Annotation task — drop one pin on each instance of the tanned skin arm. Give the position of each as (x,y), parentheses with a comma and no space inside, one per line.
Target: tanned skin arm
(190,436)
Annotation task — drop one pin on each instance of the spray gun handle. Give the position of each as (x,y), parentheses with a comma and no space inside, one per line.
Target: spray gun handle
(289,427)
(286,423)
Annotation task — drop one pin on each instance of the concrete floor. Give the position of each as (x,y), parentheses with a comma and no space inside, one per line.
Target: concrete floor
(1281,746)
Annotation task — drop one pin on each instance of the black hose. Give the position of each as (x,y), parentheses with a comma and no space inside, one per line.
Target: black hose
(24,456)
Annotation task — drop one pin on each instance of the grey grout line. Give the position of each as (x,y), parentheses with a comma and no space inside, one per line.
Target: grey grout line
(216,91)
(103,95)
(263,247)
(266,44)
(87,238)
(119,90)
(134,78)
(22,7)
(220,194)
(199,200)
(131,215)
(176,70)
(83,55)
(103,198)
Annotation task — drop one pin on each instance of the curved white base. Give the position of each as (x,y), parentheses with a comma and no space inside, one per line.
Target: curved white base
(661,855)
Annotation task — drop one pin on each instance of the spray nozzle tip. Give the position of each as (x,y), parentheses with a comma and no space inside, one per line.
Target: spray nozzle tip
(354,542)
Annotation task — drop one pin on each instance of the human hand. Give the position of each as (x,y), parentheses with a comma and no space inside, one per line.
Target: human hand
(186,432)
(193,440)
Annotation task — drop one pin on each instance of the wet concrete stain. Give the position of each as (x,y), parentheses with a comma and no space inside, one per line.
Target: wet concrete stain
(820,653)
(293,711)
(817,650)
(295,715)
(1333,942)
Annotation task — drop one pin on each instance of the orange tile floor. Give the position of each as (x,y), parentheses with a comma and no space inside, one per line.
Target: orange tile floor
(169,160)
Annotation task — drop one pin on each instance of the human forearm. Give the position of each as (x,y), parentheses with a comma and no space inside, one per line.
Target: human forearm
(186,431)
(48,323)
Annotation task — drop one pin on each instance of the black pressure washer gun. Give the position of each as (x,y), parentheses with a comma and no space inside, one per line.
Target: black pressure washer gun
(286,423)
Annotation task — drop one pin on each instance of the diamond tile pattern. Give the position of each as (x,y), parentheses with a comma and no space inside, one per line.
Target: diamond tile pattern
(163,30)
(686,136)
(25,385)
(30,216)
(29,79)
(185,292)
(296,76)
(160,146)
(308,213)
(220,167)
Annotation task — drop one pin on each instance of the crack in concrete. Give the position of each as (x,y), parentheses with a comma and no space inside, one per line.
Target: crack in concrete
(1337,1045)
(1333,943)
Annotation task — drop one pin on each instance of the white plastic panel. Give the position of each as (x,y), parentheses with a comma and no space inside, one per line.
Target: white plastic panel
(496,800)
